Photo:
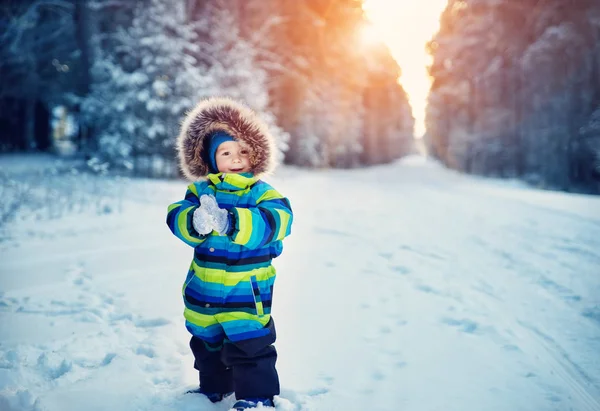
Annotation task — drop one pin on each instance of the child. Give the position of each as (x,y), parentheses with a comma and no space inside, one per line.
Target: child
(235,222)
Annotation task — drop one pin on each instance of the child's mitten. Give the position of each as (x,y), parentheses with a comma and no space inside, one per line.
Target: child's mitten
(202,221)
(219,216)
(221,221)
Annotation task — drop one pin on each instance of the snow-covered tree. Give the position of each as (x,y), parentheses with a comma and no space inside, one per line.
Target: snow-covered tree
(232,64)
(590,134)
(38,65)
(513,84)
(144,83)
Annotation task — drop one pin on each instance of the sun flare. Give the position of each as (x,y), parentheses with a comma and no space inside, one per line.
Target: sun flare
(406,26)
(369,35)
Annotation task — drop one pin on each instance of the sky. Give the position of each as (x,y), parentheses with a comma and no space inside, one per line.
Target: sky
(406,26)
(408,296)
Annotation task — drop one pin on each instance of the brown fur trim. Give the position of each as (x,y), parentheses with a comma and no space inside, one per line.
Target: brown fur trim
(234,118)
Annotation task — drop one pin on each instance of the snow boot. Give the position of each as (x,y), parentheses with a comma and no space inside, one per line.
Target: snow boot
(241,405)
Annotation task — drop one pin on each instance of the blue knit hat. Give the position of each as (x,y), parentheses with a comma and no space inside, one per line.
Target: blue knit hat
(216,139)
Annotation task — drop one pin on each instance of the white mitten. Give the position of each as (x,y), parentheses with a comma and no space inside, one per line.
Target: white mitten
(218,216)
(202,221)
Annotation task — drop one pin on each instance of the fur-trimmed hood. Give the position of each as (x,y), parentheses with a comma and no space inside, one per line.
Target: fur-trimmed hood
(232,117)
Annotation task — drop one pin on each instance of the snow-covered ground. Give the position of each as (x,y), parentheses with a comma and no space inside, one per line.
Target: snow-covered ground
(402,287)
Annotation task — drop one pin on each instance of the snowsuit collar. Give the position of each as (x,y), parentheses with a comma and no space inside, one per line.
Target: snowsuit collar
(232,182)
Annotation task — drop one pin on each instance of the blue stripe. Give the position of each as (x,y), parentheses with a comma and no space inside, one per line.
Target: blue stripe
(224,250)
(246,335)
(219,310)
(240,299)
(213,333)
(238,326)
(259,229)
(232,268)
(207,297)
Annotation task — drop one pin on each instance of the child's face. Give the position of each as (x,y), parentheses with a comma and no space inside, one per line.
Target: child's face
(233,157)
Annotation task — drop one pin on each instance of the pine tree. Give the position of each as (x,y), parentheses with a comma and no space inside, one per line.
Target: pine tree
(144,83)
(232,65)
(513,84)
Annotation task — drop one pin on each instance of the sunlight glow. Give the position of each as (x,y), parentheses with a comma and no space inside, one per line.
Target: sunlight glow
(369,35)
(406,26)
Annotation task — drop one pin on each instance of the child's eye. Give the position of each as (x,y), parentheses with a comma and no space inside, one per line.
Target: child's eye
(225,153)
(244,152)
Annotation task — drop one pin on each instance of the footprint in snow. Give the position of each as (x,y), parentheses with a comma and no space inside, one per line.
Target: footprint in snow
(427,289)
(53,366)
(593,313)
(78,276)
(464,325)
(400,269)
(377,375)
(387,256)
(563,292)
(151,322)
(145,351)
(511,347)
(7,302)
(318,391)
(108,359)
(401,364)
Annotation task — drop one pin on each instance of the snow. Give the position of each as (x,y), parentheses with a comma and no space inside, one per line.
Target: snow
(404,286)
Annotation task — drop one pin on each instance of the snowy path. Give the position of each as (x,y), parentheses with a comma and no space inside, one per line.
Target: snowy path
(402,287)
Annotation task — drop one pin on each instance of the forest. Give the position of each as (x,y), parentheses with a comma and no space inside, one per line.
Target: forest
(127,71)
(515,85)
(516,91)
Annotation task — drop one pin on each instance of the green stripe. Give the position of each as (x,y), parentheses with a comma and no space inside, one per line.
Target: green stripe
(284,218)
(244,220)
(231,278)
(269,195)
(182,225)
(193,189)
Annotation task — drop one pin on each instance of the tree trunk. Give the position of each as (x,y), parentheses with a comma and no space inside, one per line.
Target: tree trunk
(83,33)
(30,144)
(84,30)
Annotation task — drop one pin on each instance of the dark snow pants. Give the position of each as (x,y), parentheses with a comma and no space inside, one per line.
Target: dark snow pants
(246,367)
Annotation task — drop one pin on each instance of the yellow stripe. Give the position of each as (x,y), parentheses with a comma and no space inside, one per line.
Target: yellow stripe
(245,225)
(200,320)
(173,207)
(269,195)
(238,193)
(182,224)
(230,279)
(193,189)
(240,315)
(214,178)
(259,309)
(285,219)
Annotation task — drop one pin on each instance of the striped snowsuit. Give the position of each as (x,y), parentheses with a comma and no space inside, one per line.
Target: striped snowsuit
(229,285)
